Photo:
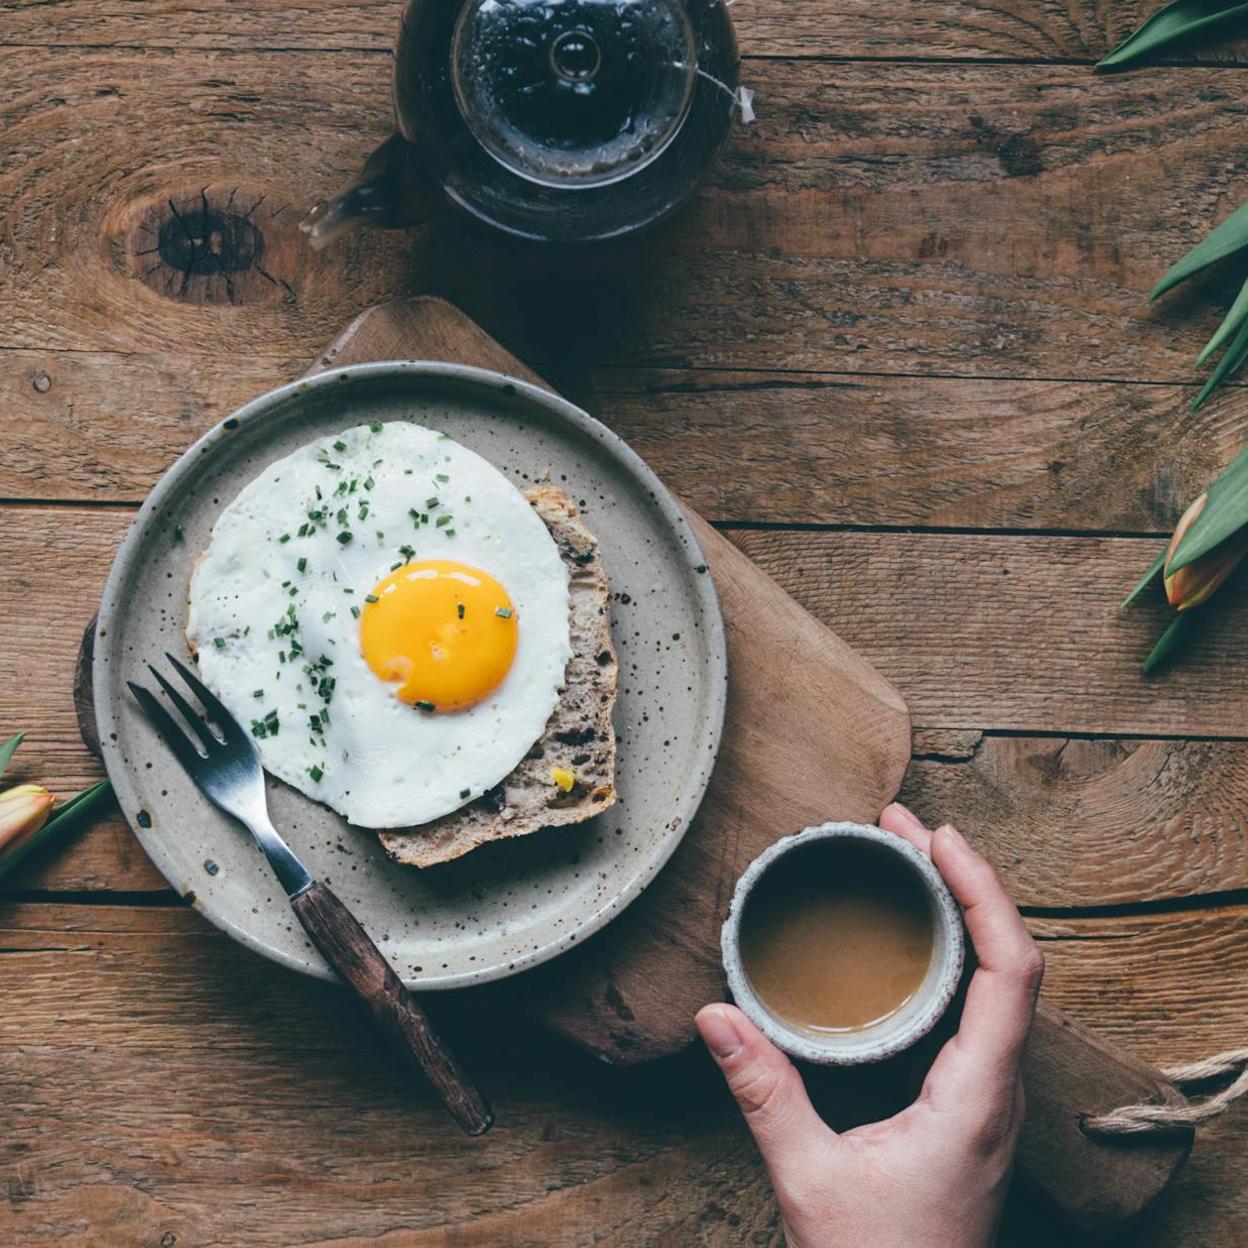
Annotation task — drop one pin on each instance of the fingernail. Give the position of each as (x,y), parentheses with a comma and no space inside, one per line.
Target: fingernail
(949,830)
(719,1032)
(905,815)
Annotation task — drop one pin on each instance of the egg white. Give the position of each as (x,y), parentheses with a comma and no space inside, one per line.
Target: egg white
(381,763)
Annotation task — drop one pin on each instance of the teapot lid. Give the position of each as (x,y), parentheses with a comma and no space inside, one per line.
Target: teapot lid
(573,93)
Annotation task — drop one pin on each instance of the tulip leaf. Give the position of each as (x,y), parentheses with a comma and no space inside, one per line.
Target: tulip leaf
(8,749)
(1228,238)
(1177,20)
(1147,579)
(1233,358)
(1232,321)
(1170,642)
(1225,513)
(70,813)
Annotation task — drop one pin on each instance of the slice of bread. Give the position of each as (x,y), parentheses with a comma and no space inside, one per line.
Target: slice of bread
(579,739)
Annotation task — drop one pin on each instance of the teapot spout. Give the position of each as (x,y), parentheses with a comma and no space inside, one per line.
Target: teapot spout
(390,192)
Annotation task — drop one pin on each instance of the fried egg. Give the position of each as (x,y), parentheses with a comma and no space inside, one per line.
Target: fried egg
(390,619)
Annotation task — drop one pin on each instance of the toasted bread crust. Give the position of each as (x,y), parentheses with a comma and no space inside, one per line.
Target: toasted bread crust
(579,737)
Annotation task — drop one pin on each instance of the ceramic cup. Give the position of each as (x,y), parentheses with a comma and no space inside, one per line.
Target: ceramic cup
(901,1029)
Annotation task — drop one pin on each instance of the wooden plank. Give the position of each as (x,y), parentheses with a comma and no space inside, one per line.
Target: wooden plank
(1167,987)
(1073,822)
(957,622)
(1063,819)
(962,219)
(773,447)
(1045,29)
(191,1063)
(1021,634)
(1067,822)
(280,1149)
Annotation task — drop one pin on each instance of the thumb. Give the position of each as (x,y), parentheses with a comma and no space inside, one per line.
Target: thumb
(767,1087)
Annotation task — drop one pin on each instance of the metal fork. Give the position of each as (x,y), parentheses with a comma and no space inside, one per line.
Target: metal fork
(225,766)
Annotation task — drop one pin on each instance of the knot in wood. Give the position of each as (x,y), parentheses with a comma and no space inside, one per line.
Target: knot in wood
(206,242)
(218,244)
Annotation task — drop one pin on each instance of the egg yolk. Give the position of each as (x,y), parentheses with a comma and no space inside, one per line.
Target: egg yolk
(446,632)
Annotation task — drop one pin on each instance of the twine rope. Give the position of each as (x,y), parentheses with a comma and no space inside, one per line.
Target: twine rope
(1140,1119)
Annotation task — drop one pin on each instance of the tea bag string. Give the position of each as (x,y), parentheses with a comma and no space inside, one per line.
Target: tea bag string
(1142,1119)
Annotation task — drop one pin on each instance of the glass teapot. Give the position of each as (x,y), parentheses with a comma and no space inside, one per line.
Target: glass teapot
(565,121)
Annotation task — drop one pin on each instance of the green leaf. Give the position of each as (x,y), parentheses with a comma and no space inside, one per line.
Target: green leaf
(1230,323)
(8,749)
(1228,238)
(78,806)
(1178,20)
(1225,513)
(1170,642)
(1147,579)
(1229,362)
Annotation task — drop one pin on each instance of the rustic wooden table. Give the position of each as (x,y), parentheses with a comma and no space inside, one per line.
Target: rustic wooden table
(899,350)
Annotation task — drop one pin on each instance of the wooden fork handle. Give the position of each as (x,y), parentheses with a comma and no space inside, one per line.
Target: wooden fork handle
(349,949)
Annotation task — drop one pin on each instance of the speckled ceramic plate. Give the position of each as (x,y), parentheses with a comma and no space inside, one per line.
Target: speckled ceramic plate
(505,906)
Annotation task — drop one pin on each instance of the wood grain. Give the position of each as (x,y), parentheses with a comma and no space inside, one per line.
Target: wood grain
(1062,818)
(1020,634)
(172,1016)
(768,447)
(962,219)
(1071,822)
(975,668)
(1170,987)
(957,222)
(1049,29)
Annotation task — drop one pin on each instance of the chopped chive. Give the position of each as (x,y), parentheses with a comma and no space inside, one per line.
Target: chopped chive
(302,565)
(442,522)
(371,598)
(315,772)
(376,426)
(431,503)
(355,611)
(363,511)
(219,642)
(459,610)
(344,537)
(504,613)
(425,706)
(369,482)
(257,693)
(285,537)
(178,532)
(464,792)
(340,446)
(450,532)
(441,478)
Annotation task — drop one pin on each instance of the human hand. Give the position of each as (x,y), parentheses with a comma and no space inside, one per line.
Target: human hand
(934,1175)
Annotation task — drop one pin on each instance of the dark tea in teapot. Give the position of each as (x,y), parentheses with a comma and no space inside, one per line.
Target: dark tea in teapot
(556,120)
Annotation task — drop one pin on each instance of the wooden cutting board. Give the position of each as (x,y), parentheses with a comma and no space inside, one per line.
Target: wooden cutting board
(812,732)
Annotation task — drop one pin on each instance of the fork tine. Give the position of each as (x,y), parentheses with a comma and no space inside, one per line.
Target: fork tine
(194,721)
(169,732)
(208,700)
